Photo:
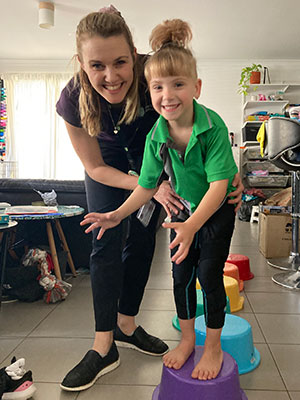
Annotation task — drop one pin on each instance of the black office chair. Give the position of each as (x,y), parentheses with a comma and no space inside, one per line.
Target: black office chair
(283,150)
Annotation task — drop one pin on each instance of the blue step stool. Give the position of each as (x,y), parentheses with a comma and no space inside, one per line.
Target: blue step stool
(236,339)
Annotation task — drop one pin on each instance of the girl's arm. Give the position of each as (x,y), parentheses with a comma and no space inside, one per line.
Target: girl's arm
(108,220)
(185,231)
(88,150)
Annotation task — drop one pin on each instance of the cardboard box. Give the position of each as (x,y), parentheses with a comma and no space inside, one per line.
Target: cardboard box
(275,235)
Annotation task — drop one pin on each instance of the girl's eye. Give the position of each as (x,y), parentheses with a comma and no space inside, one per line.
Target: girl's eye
(179,84)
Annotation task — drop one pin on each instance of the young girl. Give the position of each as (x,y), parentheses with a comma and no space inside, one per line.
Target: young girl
(190,144)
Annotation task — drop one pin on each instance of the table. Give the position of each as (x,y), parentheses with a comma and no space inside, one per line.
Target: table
(62,212)
(5,229)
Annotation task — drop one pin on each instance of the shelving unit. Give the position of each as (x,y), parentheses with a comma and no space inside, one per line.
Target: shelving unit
(290,93)
(250,158)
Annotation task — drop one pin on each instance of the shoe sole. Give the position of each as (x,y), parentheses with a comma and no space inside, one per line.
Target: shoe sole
(24,395)
(133,347)
(104,371)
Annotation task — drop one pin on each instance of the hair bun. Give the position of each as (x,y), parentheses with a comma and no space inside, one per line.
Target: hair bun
(174,31)
(110,10)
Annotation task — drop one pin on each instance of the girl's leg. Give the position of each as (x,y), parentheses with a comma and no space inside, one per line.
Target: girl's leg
(177,357)
(214,243)
(211,361)
(184,286)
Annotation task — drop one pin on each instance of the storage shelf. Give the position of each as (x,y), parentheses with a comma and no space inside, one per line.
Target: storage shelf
(252,122)
(250,157)
(252,103)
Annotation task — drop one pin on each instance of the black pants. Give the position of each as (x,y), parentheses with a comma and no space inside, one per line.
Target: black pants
(205,260)
(120,262)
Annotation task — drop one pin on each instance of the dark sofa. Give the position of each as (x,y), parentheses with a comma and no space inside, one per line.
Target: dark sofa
(21,192)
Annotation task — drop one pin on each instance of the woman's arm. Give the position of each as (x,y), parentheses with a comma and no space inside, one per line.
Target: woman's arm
(237,193)
(111,219)
(88,150)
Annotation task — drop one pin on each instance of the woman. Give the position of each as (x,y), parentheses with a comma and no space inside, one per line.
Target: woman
(108,114)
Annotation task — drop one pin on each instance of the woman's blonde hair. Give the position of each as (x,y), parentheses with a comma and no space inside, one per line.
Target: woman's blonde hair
(172,56)
(104,24)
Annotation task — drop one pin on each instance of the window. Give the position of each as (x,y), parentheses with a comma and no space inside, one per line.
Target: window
(36,135)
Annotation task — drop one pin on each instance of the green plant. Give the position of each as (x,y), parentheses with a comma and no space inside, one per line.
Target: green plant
(245,78)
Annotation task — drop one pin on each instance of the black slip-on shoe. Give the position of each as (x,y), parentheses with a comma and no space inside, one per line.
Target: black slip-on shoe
(141,340)
(90,368)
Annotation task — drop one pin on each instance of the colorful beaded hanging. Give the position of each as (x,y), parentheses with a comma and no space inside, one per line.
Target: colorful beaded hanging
(3,120)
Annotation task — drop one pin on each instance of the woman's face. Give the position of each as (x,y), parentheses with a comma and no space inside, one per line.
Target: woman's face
(108,64)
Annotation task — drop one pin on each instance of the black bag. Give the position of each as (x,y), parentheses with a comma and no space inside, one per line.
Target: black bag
(244,213)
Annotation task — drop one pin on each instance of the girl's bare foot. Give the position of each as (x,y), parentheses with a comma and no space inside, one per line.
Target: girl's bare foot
(176,358)
(210,363)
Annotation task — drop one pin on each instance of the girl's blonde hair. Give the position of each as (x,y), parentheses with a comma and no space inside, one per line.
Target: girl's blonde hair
(172,56)
(104,24)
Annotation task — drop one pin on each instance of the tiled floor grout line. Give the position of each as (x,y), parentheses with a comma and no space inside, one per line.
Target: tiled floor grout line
(268,345)
(24,337)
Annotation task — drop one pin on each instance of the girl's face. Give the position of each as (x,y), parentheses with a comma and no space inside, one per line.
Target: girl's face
(109,65)
(172,97)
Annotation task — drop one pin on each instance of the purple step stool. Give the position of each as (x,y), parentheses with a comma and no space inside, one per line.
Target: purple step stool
(179,385)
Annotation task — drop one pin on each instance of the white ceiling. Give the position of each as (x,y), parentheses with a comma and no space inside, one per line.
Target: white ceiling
(223,29)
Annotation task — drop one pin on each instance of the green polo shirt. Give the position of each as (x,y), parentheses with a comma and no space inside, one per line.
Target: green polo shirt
(208,157)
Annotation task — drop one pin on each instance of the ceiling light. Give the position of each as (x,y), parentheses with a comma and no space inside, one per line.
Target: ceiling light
(46,14)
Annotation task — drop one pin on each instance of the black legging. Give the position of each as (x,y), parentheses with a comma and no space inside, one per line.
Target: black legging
(120,262)
(206,259)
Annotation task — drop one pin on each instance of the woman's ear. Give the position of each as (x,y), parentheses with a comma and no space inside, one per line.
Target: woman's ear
(79,60)
(198,88)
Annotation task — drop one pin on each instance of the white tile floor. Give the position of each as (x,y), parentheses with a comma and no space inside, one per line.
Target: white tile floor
(52,338)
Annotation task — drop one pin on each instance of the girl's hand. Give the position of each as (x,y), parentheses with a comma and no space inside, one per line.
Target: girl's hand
(237,194)
(97,220)
(168,199)
(183,239)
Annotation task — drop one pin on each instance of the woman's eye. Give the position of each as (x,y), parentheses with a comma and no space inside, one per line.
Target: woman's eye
(97,66)
(120,62)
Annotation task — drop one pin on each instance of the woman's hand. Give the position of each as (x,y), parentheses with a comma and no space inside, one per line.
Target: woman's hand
(168,199)
(237,194)
(103,221)
(183,239)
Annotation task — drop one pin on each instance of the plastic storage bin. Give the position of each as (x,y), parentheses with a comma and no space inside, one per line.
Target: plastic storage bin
(271,180)
(261,165)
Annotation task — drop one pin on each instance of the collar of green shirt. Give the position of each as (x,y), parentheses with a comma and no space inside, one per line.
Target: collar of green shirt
(202,123)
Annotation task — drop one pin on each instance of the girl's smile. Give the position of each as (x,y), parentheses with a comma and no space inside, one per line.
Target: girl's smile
(172,97)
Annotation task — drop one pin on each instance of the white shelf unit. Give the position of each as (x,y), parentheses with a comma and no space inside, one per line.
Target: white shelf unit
(250,158)
(290,93)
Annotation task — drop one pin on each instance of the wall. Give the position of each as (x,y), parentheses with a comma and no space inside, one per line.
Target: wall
(220,85)
(220,81)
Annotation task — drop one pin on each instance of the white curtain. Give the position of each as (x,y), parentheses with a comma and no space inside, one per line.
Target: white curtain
(36,135)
